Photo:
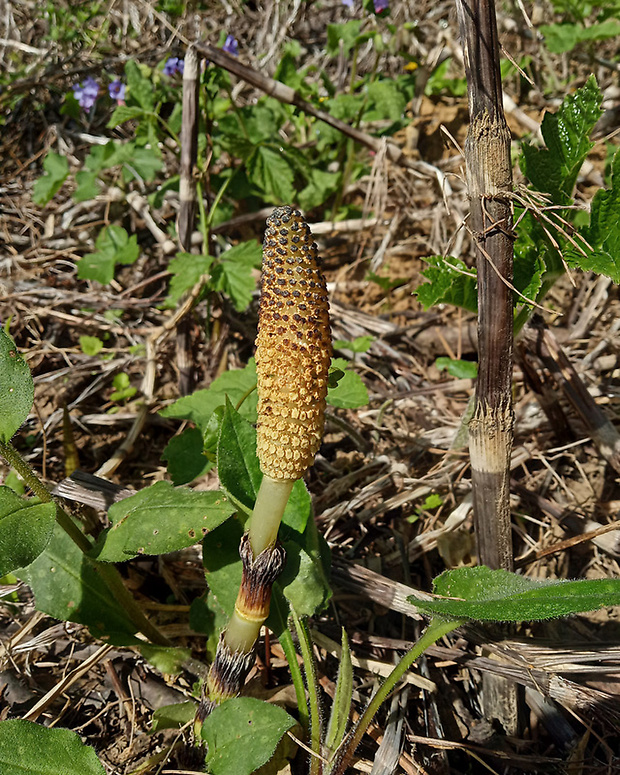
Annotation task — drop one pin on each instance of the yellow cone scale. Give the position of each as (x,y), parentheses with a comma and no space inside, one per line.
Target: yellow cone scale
(293,348)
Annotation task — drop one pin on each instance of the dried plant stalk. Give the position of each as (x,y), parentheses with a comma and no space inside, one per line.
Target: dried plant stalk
(489,178)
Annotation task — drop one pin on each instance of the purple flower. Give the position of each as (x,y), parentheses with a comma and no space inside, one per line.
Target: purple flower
(116,90)
(173,66)
(86,92)
(348,3)
(231,46)
(381,5)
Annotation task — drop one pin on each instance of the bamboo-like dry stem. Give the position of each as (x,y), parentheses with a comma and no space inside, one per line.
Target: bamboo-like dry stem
(293,350)
(188,201)
(489,178)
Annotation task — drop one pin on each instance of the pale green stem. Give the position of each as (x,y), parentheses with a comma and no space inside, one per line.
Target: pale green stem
(305,645)
(273,495)
(241,634)
(436,629)
(107,572)
(271,500)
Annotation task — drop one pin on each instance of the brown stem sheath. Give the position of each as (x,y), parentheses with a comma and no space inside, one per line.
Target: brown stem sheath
(489,178)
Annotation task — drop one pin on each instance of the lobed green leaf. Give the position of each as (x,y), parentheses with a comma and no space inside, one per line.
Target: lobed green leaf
(114,246)
(554,169)
(450,281)
(56,171)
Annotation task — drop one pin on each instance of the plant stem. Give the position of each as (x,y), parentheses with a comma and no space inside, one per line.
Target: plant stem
(271,500)
(286,641)
(108,573)
(305,644)
(436,629)
(489,180)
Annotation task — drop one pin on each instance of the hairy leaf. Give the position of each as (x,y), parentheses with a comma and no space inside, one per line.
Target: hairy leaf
(343,699)
(31,749)
(16,388)
(554,169)
(67,586)
(449,282)
(26,528)
(160,519)
(497,595)
(242,735)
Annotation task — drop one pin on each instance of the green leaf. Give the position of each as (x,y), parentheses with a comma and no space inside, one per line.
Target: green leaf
(497,595)
(67,586)
(321,185)
(240,475)
(234,385)
(31,749)
(529,253)
(16,388)
(101,157)
(450,282)
(125,113)
(242,734)
(26,528)
(554,169)
(173,716)
(160,519)
(56,168)
(143,165)
(114,246)
(87,187)
(139,88)
(185,457)
(439,81)
(304,581)
(344,35)
(123,389)
(234,273)
(560,38)
(343,698)
(271,173)
(90,345)
(361,344)
(220,557)
(458,369)
(387,100)
(603,233)
(186,270)
(350,392)
(166,659)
